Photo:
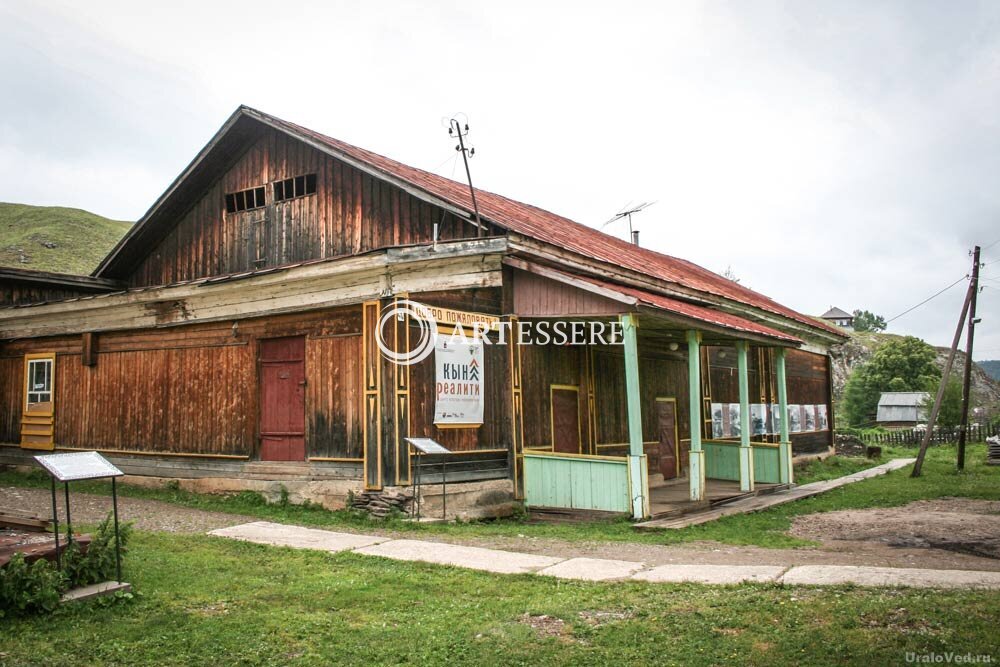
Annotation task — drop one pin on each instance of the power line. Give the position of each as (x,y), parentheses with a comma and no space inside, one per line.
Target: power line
(987,247)
(933,296)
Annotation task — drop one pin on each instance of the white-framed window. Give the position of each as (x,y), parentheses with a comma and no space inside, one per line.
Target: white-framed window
(38,376)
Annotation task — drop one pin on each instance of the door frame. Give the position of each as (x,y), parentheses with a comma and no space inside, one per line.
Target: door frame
(677,431)
(552,415)
(258,449)
(43,418)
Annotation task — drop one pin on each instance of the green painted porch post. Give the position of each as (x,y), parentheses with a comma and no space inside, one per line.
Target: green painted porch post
(639,479)
(746,452)
(696,459)
(785,446)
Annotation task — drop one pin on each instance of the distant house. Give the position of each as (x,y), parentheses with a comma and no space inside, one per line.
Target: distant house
(837,316)
(901,409)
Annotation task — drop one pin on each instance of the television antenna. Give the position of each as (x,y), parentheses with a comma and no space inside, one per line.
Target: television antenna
(627,212)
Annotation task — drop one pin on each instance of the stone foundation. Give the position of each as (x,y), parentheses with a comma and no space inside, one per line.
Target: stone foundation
(382,503)
(331,494)
(469,500)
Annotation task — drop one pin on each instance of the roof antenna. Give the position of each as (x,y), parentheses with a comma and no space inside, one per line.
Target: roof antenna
(461,131)
(627,212)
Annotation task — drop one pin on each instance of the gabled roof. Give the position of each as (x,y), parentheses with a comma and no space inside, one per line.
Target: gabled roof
(836,314)
(514,216)
(51,279)
(903,398)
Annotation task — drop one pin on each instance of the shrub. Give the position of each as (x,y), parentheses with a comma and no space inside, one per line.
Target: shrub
(98,563)
(28,589)
(35,588)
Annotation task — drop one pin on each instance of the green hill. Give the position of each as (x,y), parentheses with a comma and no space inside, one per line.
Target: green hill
(52,238)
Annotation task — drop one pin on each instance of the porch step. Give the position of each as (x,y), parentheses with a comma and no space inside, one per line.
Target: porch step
(564,515)
(679,511)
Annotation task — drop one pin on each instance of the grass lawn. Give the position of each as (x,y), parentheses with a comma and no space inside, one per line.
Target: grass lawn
(767,528)
(210,601)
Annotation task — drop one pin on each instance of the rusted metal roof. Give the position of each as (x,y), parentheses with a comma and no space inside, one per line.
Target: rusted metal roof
(548,227)
(519,218)
(695,312)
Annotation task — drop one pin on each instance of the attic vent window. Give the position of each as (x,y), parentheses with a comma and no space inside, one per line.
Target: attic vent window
(245,200)
(290,188)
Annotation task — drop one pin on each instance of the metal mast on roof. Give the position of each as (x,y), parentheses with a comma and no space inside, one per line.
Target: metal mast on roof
(627,212)
(461,130)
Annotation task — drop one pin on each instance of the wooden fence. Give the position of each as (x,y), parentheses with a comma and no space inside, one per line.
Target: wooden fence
(975,433)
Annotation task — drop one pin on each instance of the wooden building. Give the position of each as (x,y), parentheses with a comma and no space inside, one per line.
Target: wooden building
(232,335)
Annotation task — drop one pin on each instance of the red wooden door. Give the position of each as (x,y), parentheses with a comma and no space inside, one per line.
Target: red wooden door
(666,417)
(282,399)
(565,420)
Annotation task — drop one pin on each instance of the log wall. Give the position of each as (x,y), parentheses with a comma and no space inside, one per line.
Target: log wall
(350,213)
(192,389)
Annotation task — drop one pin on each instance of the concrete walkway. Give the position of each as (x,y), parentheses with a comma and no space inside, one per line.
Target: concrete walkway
(596,569)
(756,503)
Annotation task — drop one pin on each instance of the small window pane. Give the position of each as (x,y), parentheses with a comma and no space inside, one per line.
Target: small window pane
(260,196)
(300,186)
(279,191)
(39,389)
(289,188)
(310,184)
(230,204)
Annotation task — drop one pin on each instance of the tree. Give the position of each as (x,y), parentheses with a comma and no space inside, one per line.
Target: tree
(868,321)
(950,413)
(905,364)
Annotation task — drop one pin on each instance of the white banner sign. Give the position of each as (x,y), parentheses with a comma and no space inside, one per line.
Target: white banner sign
(458,366)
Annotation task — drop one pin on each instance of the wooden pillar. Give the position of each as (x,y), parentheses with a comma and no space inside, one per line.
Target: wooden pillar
(516,409)
(746,451)
(696,463)
(372,370)
(785,450)
(401,414)
(588,364)
(638,475)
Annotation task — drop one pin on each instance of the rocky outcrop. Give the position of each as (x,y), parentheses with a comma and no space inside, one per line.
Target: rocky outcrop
(860,347)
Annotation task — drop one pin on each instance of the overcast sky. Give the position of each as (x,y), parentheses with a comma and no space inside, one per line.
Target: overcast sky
(831,153)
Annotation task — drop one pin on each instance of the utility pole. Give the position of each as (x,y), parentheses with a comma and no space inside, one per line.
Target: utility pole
(974,286)
(455,128)
(944,383)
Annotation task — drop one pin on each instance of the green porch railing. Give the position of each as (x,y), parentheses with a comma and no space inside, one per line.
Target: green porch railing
(577,481)
(722,461)
(766,463)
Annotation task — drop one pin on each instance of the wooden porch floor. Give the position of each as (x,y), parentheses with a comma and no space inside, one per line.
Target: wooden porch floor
(670,498)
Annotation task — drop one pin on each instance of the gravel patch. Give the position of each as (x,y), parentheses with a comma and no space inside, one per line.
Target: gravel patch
(153,515)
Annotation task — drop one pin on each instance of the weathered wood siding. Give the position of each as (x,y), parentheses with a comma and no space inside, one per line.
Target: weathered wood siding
(193,389)
(536,296)
(660,376)
(333,407)
(541,367)
(493,434)
(351,212)
(14,294)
